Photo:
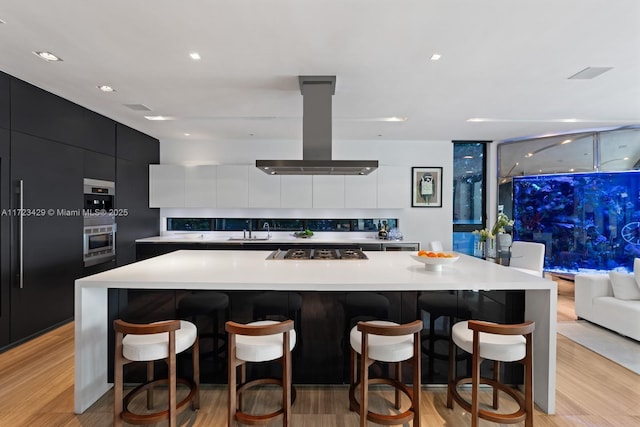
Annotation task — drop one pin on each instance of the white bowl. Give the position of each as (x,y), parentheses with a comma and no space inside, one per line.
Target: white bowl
(435,263)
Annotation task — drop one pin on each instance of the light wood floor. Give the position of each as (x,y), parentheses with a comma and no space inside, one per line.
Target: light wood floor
(36,389)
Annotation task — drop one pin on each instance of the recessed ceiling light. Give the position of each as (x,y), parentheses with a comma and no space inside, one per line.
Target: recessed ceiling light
(566,141)
(187,134)
(106,88)
(436,57)
(48,56)
(194,55)
(137,107)
(590,73)
(159,118)
(393,119)
(529,155)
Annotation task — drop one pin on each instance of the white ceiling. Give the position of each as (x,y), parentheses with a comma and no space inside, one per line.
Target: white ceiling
(507,60)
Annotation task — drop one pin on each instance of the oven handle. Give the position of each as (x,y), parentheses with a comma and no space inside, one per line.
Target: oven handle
(21,235)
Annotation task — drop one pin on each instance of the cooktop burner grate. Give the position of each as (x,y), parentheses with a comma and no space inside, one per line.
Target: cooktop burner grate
(319,254)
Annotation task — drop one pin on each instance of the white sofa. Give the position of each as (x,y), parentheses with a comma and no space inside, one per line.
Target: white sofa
(595,302)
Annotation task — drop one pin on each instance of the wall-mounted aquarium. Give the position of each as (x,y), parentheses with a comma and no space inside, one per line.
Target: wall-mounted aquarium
(588,221)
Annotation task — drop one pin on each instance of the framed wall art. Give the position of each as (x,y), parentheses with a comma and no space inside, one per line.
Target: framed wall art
(426,187)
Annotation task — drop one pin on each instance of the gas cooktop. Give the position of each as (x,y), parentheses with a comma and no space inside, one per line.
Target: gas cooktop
(318,254)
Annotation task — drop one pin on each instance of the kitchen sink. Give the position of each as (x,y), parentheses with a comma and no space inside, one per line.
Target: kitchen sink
(248,239)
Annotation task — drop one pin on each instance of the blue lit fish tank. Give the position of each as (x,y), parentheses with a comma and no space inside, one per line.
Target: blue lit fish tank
(589,222)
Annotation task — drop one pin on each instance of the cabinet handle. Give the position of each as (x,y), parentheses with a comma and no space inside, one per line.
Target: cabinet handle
(21,235)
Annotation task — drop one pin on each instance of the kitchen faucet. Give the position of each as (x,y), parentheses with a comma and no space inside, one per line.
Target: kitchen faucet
(244,232)
(266,225)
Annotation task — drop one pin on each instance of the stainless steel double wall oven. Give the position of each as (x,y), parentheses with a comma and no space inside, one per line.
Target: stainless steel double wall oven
(99,233)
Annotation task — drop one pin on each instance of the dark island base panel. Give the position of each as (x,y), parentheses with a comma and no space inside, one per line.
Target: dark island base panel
(321,355)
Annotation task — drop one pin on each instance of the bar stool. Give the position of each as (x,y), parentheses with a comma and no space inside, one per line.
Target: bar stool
(147,343)
(440,305)
(389,342)
(259,342)
(500,343)
(206,304)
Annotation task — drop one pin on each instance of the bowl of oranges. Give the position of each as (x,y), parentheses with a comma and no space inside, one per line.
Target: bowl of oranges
(434,260)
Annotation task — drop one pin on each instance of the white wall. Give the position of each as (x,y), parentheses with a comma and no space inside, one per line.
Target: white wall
(422,224)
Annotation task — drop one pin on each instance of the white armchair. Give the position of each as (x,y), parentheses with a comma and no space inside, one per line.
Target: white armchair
(528,257)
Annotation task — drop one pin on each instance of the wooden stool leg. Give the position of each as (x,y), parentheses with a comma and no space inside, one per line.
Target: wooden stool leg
(172,379)
(364,381)
(353,372)
(243,379)
(232,370)
(496,378)
(399,378)
(118,382)
(286,379)
(195,359)
(475,382)
(150,375)
(417,378)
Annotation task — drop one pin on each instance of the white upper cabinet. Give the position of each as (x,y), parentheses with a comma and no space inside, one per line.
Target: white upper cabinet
(296,191)
(166,186)
(394,186)
(264,190)
(244,186)
(361,191)
(200,186)
(328,191)
(233,186)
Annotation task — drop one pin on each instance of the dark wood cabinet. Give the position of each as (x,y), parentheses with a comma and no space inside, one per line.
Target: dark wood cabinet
(51,249)
(51,144)
(135,152)
(5,101)
(40,113)
(5,238)
(99,166)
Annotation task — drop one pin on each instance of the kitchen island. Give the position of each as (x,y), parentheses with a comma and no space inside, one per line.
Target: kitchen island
(250,270)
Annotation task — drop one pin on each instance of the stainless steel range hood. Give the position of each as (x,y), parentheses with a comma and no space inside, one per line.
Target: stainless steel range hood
(316,137)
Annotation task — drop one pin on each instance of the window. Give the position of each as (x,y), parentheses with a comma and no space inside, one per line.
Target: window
(469,192)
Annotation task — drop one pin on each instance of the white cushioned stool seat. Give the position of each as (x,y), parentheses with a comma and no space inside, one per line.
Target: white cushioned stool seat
(141,348)
(384,348)
(259,341)
(498,343)
(389,342)
(148,343)
(505,348)
(264,347)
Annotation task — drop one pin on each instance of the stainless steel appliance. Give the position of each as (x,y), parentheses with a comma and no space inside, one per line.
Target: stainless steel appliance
(99,231)
(318,254)
(400,246)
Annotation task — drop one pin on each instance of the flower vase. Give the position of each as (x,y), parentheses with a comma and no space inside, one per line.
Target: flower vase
(478,249)
(490,249)
(504,241)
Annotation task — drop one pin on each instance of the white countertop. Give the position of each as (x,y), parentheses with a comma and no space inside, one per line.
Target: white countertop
(277,237)
(245,270)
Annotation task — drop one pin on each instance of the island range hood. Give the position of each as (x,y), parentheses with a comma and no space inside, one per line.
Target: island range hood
(316,137)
